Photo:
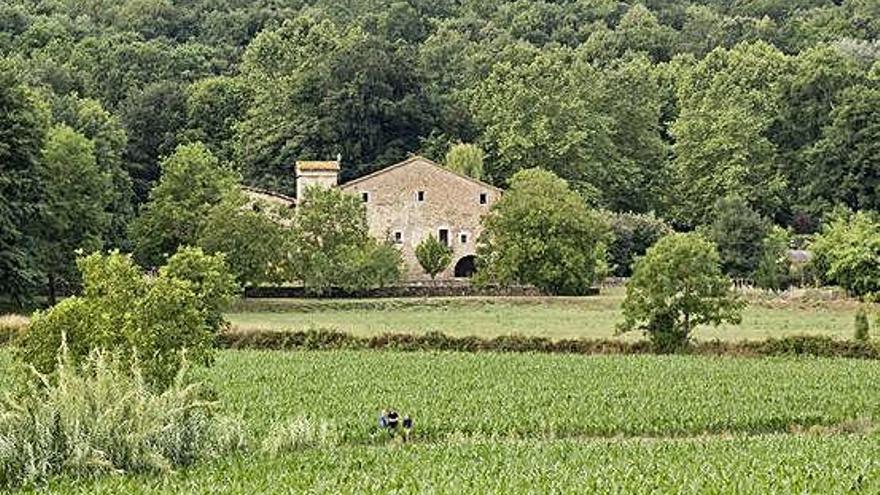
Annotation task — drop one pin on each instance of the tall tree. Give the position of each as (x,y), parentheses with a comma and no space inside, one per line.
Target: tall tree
(541,233)
(193,181)
(466,159)
(728,103)
(22,127)
(526,124)
(322,90)
(844,165)
(76,193)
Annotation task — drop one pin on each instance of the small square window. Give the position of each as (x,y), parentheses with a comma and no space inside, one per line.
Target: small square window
(365,197)
(398,237)
(420,196)
(484,198)
(464,238)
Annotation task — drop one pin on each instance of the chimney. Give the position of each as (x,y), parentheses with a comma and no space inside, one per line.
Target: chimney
(311,174)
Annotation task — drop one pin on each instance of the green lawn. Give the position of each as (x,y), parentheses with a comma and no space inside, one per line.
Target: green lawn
(556,318)
(520,423)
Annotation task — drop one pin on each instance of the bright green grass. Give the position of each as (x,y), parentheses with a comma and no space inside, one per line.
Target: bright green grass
(539,395)
(776,464)
(591,317)
(519,423)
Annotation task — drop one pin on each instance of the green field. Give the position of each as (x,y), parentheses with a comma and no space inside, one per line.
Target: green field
(490,423)
(555,318)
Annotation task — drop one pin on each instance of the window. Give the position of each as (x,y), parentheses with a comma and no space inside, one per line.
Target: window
(484,198)
(443,235)
(365,196)
(398,237)
(464,238)
(420,196)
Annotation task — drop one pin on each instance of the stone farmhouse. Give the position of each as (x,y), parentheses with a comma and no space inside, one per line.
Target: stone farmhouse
(409,201)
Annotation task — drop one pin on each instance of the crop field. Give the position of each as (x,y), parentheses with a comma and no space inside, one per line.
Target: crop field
(555,318)
(550,423)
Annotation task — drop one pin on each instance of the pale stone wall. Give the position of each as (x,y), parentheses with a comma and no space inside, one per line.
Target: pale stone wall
(310,178)
(451,202)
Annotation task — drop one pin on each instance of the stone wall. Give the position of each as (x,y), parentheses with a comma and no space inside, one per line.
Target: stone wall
(449,201)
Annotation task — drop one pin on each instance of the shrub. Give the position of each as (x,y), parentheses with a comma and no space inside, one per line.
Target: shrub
(541,233)
(124,312)
(433,256)
(677,286)
(633,233)
(95,419)
(862,327)
(847,253)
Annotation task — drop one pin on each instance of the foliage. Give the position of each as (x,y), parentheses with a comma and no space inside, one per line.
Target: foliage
(541,233)
(843,163)
(98,418)
(862,326)
(22,126)
(633,234)
(76,195)
(332,248)
(847,253)
(676,287)
(122,311)
(775,271)
(253,242)
(727,104)
(433,256)
(210,279)
(193,181)
(738,233)
(466,159)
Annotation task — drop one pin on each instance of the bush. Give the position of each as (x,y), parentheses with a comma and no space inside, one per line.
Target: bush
(677,286)
(633,233)
(541,233)
(124,312)
(433,256)
(96,419)
(847,253)
(862,327)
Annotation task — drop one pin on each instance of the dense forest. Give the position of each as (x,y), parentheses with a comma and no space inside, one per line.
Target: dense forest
(663,106)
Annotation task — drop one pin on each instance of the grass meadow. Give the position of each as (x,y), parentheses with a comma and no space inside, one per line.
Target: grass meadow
(517,423)
(555,318)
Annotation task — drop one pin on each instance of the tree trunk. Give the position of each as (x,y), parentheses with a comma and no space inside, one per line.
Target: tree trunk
(53,298)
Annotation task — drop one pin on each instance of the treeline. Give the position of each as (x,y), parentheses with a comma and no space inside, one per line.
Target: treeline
(659,106)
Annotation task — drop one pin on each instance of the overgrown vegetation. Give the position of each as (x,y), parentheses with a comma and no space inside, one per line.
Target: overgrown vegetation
(122,311)
(100,416)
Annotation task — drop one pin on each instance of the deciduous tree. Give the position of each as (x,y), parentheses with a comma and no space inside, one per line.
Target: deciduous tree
(676,287)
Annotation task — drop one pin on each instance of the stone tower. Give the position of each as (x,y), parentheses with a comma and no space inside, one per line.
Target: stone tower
(321,174)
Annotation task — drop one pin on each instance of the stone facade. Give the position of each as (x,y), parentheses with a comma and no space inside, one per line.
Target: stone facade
(315,174)
(408,201)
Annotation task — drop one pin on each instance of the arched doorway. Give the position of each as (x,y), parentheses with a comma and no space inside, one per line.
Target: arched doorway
(466,267)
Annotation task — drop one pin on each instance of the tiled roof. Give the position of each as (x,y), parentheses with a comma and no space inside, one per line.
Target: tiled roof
(329,166)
